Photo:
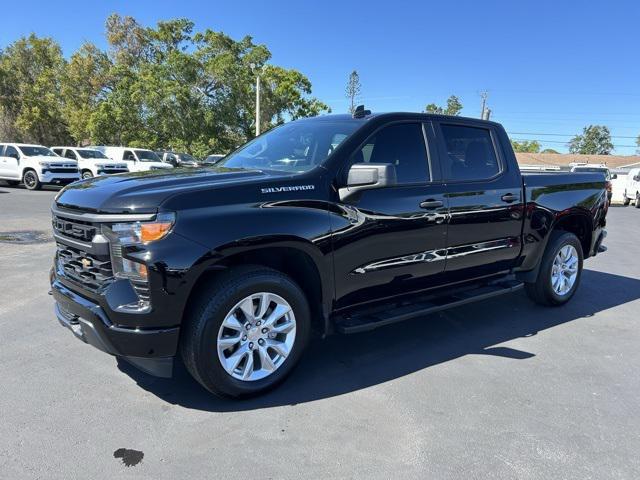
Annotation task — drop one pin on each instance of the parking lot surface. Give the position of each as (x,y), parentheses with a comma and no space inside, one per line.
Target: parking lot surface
(498,389)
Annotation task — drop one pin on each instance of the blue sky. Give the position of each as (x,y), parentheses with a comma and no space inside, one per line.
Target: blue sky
(550,67)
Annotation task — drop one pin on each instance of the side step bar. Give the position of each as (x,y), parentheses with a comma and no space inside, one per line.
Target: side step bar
(362,322)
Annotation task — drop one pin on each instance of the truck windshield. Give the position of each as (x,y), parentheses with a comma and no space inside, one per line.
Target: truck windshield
(147,156)
(295,147)
(34,151)
(91,154)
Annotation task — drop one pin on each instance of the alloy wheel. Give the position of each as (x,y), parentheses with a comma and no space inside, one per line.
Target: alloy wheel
(256,336)
(30,179)
(564,270)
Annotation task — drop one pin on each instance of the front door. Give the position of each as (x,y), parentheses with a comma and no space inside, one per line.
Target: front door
(9,162)
(391,241)
(484,192)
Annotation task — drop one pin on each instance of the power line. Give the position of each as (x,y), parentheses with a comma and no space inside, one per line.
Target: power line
(562,143)
(562,135)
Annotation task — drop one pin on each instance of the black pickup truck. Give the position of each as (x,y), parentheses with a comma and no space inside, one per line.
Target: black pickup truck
(330,224)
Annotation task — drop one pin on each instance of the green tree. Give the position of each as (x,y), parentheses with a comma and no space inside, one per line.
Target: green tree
(526,146)
(83,87)
(594,140)
(352,92)
(30,103)
(550,150)
(158,87)
(454,106)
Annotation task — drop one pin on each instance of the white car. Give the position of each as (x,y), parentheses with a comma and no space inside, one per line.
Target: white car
(632,188)
(137,159)
(91,163)
(35,165)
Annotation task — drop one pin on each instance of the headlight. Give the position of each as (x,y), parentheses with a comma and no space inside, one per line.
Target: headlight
(44,164)
(131,234)
(143,232)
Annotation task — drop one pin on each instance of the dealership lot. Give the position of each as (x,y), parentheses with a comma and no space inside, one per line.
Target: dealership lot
(499,389)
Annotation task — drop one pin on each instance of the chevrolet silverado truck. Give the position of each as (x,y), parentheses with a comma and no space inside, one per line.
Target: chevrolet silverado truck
(35,166)
(332,224)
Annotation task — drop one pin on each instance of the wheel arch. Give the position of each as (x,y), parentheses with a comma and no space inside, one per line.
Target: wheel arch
(580,224)
(299,259)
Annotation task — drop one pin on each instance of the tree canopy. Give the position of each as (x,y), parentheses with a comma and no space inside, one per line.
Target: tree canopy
(526,146)
(156,87)
(594,140)
(454,106)
(352,92)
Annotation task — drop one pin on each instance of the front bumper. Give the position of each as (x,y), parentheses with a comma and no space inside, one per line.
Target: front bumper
(150,350)
(58,178)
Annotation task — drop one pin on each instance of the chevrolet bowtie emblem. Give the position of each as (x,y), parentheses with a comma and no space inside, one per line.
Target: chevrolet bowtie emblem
(86,263)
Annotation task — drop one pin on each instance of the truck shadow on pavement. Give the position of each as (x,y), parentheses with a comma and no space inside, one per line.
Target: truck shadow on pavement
(345,363)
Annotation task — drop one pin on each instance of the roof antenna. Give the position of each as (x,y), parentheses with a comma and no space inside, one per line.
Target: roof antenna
(360,112)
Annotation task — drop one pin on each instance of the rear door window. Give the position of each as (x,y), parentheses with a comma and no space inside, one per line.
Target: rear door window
(470,154)
(128,155)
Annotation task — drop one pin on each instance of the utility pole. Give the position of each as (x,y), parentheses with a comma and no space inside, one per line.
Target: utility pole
(257,104)
(483,95)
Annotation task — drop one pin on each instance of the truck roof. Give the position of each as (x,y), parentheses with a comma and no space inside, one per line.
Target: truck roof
(397,115)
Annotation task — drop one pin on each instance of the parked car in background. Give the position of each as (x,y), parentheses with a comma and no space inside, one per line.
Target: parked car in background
(137,159)
(91,162)
(632,188)
(177,159)
(597,168)
(34,166)
(212,159)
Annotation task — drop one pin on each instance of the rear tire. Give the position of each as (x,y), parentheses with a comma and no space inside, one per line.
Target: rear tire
(31,181)
(626,200)
(556,284)
(637,201)
(210,349)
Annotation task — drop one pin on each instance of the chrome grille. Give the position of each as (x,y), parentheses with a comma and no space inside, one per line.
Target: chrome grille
(90,271)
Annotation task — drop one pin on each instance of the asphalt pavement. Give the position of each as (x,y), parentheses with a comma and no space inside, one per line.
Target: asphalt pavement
(498,389)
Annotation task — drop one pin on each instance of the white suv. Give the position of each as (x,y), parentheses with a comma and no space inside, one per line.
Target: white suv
(91,163)
(137,159)
(35,165)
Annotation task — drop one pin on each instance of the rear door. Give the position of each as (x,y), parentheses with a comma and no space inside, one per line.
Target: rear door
(484,192)
(390,241)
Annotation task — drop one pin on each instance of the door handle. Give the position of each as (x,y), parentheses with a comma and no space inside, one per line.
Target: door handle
(431,204)
(509,197)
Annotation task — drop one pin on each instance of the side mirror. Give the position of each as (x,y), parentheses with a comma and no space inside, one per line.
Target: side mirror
(614,176)
(367,176)
(636,178)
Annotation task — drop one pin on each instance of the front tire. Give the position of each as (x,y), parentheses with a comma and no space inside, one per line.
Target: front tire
(626,200)
(637,201)
(31,181)
(87,174)
(560,271)
(246,331)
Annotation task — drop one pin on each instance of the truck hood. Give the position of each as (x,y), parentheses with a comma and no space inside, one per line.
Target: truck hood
(145,191)
(156,165)
(54,161)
